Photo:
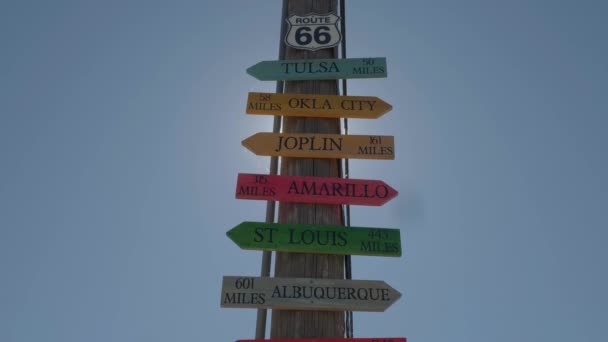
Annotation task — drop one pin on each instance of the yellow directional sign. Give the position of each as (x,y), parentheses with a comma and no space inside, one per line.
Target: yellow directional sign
(326,106)
(321,145)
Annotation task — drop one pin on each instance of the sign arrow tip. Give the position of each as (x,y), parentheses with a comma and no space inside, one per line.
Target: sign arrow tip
(253,70)
(392,193)
(395,297)
(248,143)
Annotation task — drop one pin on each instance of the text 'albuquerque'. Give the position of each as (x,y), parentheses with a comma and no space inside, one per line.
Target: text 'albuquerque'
(307,294)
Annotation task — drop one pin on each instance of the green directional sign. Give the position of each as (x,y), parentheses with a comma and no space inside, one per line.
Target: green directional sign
(312,238)
(319,69)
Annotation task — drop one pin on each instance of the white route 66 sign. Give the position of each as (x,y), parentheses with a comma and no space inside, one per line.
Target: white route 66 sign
(313,31)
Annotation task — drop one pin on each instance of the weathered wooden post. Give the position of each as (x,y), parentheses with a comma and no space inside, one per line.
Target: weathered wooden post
(308,293)
(300,324)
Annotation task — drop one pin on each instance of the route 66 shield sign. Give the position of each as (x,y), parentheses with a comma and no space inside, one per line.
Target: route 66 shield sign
(313,31)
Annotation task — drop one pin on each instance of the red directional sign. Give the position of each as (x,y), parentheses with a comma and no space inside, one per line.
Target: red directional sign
(373,339)
(322,190)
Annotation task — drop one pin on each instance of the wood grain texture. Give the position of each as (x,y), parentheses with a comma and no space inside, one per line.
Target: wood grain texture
(297,324)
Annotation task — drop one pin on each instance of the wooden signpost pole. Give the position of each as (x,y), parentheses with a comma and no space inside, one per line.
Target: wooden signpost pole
(294,323)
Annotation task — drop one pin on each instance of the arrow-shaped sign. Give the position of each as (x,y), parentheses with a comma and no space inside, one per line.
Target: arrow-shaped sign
(319,69)
(373,339)
(307,294)
(311,238)
(321,145)
(308,189)
(311,105)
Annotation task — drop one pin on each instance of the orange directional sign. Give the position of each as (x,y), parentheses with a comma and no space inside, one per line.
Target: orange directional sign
(326,106)
(321,145)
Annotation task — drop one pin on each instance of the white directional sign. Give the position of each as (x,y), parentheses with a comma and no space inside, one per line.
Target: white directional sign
(313,31)
(307,294)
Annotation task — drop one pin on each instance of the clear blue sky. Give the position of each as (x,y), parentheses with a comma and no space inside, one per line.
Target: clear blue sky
(120,130)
